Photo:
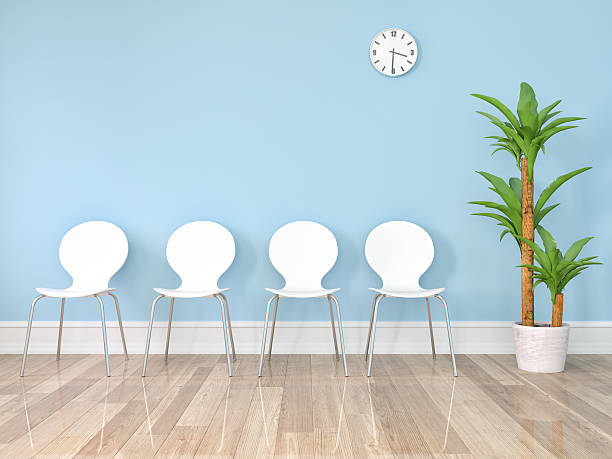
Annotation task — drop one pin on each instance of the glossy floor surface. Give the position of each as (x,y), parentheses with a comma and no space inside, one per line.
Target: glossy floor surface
(304,407)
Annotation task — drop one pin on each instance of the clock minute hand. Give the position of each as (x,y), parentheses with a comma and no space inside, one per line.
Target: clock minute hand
(399,54)
(393,61)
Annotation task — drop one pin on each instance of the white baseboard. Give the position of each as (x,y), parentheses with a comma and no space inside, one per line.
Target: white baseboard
(290,337)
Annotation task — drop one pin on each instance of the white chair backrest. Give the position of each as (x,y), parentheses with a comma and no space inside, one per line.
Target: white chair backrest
(303,252)
(92,253)
(200,252)
(399,252)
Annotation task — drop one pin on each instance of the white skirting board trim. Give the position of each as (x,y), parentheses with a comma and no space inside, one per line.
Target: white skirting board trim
(290,337)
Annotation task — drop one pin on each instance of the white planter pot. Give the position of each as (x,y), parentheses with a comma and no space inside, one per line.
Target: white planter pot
(541,349)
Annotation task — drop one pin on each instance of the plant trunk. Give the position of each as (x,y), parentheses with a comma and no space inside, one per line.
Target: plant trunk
(526,252)
(557,317)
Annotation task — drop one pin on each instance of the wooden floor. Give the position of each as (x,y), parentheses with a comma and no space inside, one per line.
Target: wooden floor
(304,407)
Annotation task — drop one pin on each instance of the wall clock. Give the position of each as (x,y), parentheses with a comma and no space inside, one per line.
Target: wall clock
(393,52)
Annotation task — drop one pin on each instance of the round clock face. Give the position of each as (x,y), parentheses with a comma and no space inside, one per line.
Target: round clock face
(393,52)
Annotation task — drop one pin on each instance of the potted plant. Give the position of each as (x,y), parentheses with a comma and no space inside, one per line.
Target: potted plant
(523,136)
(545,350)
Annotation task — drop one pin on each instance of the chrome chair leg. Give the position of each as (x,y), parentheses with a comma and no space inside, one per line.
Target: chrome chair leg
(431,336)
(225,335)
(103,320)
(341,334)
(333,327)
(265,332)
(376,303)
(169,328)
(273,328)
(450,334)
(146,354)
(125,351)
(27,340)
(59,334)
(229,325)
(370,329)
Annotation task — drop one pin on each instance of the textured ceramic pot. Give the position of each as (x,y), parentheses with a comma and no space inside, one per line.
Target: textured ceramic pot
(541,349)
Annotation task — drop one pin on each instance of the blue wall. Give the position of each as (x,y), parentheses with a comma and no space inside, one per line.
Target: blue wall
(154,114)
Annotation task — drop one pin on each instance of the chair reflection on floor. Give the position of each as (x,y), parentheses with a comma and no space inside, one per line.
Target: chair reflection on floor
(224,416)
(103,418)
(265,425)
(39,426)
(340,416)
(373,417)
(25,407)
(144,393)
(450,411)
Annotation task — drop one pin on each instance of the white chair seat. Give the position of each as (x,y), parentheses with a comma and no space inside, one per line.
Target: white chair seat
(421,293)
(71,292)
(181,293)
(302,293)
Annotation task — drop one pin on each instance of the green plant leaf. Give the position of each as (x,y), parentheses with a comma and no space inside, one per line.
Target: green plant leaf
(538,282)
(550,245)
(550,189)
(531,157)
(507,231)
(575,249)
(515,184)
(502,108)
(504,220)
(527,108)
(503,233)
(503,190)
(539,254)
(560,121)
(545,135)
(563,283)
(534,268)
(542,213)
(550,116)
(513,215)
(544,113)
(508,130)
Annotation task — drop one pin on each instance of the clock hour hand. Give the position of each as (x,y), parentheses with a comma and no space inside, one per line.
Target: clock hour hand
(399,54)
(393,61)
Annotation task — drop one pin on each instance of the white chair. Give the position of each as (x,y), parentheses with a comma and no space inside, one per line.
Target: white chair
(199,252)
(303,252)
(92,253)
(400,252)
